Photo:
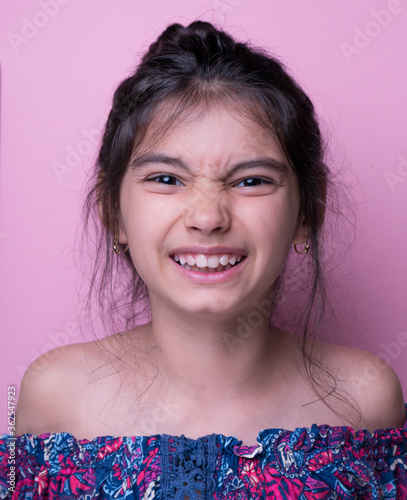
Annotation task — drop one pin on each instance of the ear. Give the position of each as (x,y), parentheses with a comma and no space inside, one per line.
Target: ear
(105,213)
(121,238)
(301,232)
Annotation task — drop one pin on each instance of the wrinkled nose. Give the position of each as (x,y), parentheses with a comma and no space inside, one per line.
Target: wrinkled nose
(207,212)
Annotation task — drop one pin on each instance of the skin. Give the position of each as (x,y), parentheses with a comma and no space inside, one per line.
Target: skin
(188,371)
(206,205)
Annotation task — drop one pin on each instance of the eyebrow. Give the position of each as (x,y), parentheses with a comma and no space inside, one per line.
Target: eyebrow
(267,161)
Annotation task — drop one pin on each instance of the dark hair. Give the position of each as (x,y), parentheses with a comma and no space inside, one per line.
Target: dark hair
(186,70)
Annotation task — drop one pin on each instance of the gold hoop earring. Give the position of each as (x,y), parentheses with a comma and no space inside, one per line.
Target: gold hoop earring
(116,248)
(304,250)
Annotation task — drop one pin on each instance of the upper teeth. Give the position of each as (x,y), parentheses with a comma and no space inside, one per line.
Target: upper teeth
(212,261)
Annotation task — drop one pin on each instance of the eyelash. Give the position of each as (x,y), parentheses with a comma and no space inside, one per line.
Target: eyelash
(157,178)
(164,176)
(260,179)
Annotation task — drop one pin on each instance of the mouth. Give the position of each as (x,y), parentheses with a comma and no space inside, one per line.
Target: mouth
(207,263)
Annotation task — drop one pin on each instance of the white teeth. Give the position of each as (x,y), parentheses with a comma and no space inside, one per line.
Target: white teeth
(207,269)
(224,260)
(213,261)
(190,260)
(201,261)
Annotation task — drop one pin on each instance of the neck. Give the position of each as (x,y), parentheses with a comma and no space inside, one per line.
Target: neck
(212,355)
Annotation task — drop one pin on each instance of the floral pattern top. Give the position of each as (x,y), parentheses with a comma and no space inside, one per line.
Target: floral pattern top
(320,462)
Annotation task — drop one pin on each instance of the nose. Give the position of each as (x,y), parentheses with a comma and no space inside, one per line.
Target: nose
(207,212)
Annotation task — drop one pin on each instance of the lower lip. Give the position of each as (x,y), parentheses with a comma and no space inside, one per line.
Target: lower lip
(217,277)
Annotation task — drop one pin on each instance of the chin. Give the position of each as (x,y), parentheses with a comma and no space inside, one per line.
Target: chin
(208,306)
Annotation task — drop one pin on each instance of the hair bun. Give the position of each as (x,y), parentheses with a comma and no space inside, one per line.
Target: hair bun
(169,37)
(195,37)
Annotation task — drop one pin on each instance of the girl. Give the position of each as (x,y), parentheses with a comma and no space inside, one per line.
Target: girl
(210,181)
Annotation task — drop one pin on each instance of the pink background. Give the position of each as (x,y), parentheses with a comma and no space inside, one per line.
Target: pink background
(58,72)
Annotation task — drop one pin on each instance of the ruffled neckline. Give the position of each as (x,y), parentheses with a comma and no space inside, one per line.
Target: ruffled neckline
(304,439)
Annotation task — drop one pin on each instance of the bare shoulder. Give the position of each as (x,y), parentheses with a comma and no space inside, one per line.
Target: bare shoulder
(52,388)
(67,389)
(371,383)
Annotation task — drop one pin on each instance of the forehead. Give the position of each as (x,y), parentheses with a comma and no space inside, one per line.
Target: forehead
(214,136)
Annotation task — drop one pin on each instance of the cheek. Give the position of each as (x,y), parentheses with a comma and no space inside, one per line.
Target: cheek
(276,220)
(140,214)
(147,224)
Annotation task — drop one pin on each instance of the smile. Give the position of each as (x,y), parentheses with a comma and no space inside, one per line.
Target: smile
(207,264)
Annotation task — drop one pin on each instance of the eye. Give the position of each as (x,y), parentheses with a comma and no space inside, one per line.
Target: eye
(167,179)
(253,181)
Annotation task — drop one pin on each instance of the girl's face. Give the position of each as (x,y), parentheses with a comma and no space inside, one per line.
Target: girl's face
(209,214)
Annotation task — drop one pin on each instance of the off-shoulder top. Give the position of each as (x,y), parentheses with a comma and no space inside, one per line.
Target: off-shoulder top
(320,462)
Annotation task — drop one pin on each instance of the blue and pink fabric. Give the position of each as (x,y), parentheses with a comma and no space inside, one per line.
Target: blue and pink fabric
(320,462)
